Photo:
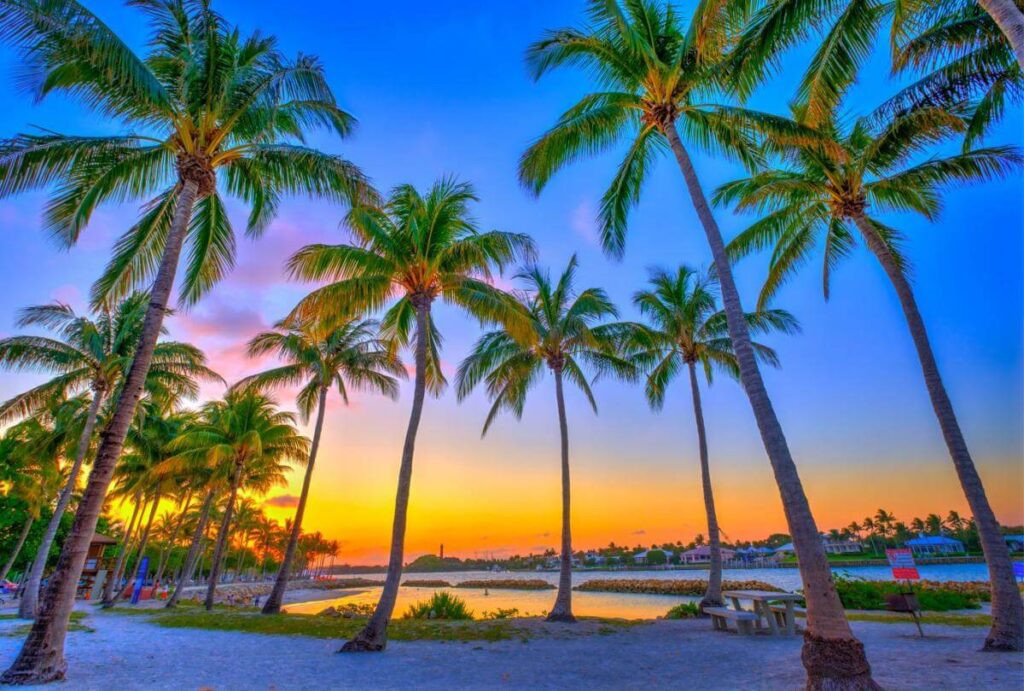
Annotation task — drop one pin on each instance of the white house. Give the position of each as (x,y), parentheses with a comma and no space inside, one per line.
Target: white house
(925,545)
(831,546)
(702,555)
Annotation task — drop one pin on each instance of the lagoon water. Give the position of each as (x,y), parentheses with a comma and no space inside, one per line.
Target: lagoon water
(624,605)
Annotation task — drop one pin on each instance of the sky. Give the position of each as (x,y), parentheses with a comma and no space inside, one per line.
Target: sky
(440,89)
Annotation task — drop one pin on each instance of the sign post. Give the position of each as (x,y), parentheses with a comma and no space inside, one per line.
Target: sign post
(140,579)
(902,563)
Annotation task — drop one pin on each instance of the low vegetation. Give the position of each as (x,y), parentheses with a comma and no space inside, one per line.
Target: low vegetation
(442,605)
(684,610)
(655,586)
(427,583)
(934,597)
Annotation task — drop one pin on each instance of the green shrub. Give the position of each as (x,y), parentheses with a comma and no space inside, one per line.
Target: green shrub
(684,610)
(870,595)
(443,605)
(510,613)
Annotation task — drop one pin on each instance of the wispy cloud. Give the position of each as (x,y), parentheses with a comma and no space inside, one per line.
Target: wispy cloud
(282,501)
(583,221)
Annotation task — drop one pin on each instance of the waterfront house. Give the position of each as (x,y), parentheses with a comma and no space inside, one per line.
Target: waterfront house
(702,555)
(644,557)
(831,547)
(928,545)
(1015,542)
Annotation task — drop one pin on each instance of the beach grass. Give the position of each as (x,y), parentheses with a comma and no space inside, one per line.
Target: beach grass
(22,631)
(250,620)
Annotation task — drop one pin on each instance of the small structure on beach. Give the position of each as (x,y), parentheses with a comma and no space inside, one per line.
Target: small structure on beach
(94,571)
(925,545)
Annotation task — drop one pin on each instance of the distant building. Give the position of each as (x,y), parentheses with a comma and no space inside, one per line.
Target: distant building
(1015,542)
(831,546)
(925,545)
(594,559)
(752,553)
(702,555)
(644,557)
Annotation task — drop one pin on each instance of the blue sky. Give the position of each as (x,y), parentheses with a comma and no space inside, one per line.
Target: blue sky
(440,88)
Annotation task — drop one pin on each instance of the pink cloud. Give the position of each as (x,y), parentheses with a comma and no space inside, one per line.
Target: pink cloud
(68,294)
(583,221)
(261,263)
(224,319)
(282,501)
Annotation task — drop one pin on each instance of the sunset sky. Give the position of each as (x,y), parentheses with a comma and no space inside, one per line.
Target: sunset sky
(440,88)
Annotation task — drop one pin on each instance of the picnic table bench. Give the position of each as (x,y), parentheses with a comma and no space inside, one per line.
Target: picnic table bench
(776,609)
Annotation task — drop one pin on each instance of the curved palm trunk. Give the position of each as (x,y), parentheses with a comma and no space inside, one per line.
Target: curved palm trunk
(17,548)
(832,656)
(194,551)
(222,536)
(374,636)
(713,595)
(562,609)
(1009,16)
(114,577)
(273,603)
(1007,632)
(41,658)
(142,548)
(30,601)
(166,556)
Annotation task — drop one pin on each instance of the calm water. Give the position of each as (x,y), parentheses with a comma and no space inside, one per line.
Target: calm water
(610,604)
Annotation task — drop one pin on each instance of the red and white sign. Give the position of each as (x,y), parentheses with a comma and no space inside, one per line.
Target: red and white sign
(902,563)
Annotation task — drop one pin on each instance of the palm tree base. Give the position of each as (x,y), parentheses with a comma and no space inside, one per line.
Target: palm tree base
(29,674)
(836,664)
(998,642)
(271,608)
(359,644)
(561,618)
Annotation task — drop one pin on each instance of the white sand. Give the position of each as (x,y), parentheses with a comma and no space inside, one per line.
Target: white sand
(127,653)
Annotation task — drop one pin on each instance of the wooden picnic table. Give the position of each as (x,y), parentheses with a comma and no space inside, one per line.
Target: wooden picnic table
(762,600)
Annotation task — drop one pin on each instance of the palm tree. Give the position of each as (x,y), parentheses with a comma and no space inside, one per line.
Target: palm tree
(245,439)
(1010,18)
(831,187)
(687,329)
(207,103)
(933,523)
(566,337)
(29,462)
(319,357)
(94,354)
(652,75)
(414,249)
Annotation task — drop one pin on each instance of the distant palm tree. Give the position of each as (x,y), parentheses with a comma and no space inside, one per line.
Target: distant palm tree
(686,330)
(244,438)
(319,357)
(414,249)
(933,523)
(828,188)
(567,338)
(29,462)
(206,102)
(917,525)
(654,77)
(88,354)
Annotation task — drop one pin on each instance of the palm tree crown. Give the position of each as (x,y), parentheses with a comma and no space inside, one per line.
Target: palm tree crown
(317,356)
(415,248)
(565,335)
(825,186)
(686,326)
(205,104)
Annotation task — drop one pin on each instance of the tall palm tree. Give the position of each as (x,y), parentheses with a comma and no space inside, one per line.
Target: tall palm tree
(653,77)
(1009,15)
(827,192)
(565,336)
(205,103)
(686,330)
(245,439)
(88,353)
(320,356)
(414,249)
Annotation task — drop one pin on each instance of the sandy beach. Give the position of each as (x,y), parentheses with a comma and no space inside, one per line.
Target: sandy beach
(126,652)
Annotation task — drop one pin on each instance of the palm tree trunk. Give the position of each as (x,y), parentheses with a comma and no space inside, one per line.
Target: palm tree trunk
(1007,632)
(166,557)
(222,536)
(713,595)
(1008,15)
(30,601)
(374,636)
(562,609)
(17,548)
(41,659)
(142,546)
(114,576)
(832,656)
(273,603)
